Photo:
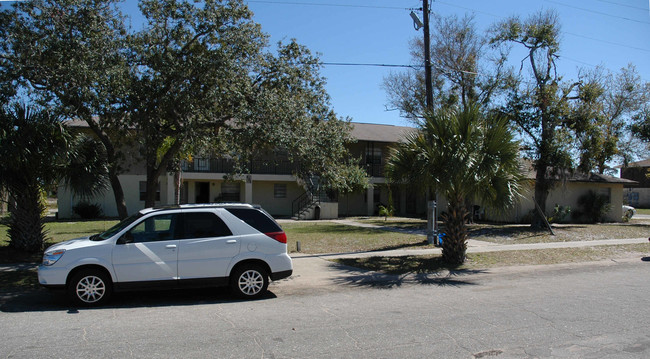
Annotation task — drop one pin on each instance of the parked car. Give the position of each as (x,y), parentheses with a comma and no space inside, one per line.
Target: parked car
(234,245)
(628,211)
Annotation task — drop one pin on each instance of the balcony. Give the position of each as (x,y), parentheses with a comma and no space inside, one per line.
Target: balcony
(278,167)
(223,165)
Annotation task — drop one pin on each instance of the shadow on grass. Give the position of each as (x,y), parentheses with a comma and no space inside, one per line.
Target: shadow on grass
(390,272)
(39,300)
(403,225)
(420,244)
(506,231)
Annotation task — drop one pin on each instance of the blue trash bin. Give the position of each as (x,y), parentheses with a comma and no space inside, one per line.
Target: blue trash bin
(440,237)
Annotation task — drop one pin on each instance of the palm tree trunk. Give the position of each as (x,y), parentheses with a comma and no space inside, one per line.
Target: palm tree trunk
(454,245)
(26,228)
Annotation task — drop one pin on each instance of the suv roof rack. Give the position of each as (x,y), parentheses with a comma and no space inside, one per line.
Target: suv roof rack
(199,205)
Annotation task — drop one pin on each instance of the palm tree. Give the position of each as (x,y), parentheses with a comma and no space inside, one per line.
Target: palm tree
(37,150)
(463,155)
(32,144)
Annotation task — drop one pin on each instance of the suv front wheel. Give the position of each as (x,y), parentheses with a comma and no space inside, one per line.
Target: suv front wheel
(249,281)
(89,287)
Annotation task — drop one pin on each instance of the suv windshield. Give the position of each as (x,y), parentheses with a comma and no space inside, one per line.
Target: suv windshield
(116,228)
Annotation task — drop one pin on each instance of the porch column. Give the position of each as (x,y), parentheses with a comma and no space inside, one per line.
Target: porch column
(248,189)
(371,198)
(170,189)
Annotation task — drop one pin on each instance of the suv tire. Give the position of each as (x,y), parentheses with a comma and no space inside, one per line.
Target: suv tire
(90,287)
(249,281)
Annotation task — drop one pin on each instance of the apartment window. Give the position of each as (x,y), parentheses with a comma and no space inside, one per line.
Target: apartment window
(143,191)
(202,164)
(280,190)
(373,154)
(230,192)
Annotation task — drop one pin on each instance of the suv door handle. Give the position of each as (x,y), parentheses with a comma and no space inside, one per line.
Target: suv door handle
(231,241)
(170,246)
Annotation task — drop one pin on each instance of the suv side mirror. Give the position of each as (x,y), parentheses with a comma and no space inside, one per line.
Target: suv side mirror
(126,238)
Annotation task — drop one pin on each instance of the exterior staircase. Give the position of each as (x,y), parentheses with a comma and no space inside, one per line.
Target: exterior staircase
(306,206)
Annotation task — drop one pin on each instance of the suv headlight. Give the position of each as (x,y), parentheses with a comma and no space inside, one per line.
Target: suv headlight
(52,257)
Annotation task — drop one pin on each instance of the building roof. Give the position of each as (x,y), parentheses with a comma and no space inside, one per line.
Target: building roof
(379,133)
(530,173)
(644,163)
(360,131)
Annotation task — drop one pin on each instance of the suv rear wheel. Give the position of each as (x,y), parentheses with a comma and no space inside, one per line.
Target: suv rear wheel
(249,281)
(90,287)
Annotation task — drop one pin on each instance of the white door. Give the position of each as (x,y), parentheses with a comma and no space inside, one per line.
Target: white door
(151,251)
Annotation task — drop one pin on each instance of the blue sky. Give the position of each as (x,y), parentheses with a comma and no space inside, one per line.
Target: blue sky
(609,33)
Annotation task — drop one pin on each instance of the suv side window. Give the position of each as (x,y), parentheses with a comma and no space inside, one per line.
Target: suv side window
(156,228)
(203,225)
(256,219)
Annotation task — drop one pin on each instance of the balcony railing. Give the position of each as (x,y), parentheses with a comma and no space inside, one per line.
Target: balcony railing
(280,167)
(222,165)
(374,170)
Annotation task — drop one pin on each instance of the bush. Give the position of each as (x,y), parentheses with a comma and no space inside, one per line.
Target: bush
(593,208)
(87,210)
(560,213)
(386,211)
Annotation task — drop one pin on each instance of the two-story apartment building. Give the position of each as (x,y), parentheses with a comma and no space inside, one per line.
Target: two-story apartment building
(270,182)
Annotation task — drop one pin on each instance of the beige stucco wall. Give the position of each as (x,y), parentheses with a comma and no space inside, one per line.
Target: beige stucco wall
(563,195)
(263,194)
(131,187)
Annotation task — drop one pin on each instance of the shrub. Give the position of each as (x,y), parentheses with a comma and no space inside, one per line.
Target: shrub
(87,210)
(386,211)
(560,213)
(593,207)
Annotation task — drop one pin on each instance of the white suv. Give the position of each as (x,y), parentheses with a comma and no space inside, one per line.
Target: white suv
(183,246)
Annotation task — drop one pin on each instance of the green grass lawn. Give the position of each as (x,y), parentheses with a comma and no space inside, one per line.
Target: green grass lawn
(643,210)
(328,237)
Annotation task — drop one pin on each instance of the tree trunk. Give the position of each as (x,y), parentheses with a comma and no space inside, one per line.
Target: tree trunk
(112,159)
(541,193)
(26,229)
(178,182)
(118,193)
(454,244)
(152,188)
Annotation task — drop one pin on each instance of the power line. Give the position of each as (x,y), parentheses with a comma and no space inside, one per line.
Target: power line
(328,4)
(368,64)
(395,65)
(607,42)
(467,9)
(625,5)
(597,12)
(564,32)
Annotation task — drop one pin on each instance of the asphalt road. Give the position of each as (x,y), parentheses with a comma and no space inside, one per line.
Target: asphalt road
(581,311)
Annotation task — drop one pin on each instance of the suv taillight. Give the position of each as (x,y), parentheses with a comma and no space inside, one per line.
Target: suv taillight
(278,236)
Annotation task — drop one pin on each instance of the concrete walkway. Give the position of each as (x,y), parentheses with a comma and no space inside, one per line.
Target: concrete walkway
(474,246)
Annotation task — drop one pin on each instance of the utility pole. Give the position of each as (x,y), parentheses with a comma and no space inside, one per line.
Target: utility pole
(427,56)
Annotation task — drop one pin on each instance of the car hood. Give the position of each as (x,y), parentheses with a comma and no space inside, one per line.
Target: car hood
(73,244)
